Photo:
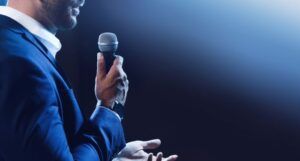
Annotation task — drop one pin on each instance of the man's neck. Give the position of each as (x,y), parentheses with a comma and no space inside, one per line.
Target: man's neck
(30,8)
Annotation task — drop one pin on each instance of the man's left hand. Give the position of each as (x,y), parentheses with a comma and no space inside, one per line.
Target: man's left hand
(134,151)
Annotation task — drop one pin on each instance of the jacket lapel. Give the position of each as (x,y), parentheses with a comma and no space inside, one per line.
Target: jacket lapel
(16,27)
(34,40)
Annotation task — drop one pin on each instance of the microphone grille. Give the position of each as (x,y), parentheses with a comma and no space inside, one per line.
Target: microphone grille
(108,38)
(108,42)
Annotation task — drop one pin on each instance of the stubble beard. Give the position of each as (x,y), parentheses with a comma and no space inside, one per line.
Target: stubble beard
(57,15)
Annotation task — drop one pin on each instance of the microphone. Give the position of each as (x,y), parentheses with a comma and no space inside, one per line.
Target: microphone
(108,45)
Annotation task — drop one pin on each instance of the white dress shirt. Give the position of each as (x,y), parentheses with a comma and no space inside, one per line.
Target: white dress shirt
(50,41)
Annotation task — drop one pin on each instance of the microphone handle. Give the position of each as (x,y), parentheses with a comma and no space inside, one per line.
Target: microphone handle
(109,60)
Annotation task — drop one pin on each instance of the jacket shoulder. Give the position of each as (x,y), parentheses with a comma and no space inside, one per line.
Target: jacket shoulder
(14,47)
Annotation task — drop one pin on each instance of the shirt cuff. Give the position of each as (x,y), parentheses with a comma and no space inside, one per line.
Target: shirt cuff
(106,108)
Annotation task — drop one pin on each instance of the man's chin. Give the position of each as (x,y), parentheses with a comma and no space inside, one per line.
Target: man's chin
(73,22)
(69,24)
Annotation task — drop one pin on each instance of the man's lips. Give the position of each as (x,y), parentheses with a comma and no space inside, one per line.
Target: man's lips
(75,7)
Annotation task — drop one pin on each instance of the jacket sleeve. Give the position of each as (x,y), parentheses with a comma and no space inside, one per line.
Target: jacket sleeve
(31,125)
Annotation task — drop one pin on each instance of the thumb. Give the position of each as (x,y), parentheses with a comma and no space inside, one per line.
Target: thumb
(151,144)
(101,71)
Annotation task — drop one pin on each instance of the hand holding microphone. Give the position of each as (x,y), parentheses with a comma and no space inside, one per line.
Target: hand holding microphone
(111,87)
(111,83)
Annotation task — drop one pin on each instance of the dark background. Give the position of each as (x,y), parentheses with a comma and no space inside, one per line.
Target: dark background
(215,80)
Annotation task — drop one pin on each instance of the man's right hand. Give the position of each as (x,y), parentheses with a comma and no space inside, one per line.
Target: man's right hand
(113,85)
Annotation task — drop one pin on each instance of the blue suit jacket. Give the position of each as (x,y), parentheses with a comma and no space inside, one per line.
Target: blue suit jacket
(40,119)
(3,2)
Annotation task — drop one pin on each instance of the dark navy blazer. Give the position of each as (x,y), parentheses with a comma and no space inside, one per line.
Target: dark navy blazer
(40,119)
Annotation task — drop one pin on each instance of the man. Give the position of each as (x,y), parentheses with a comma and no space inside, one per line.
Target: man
(40,119)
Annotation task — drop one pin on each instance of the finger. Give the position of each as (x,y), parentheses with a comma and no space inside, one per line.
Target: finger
(159,156)
(124,96)
(118,61)
(121,90)
(120,95)
(150,157)
(122,79)
(116,69)
(101,71)
(171,158)
(151,144)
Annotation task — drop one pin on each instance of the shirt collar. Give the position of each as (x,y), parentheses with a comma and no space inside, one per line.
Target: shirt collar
(48,39)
